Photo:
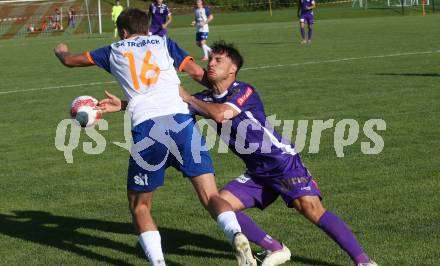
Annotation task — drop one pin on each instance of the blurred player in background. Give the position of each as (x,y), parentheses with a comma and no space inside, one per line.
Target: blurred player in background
(56,20)
(273,168)
(202,17)
(305,14)
(71,18)
(160,16)
(163,131)
(116,11)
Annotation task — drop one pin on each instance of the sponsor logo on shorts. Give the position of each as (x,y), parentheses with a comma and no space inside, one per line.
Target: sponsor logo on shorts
(141,180)
(289,183)
(242,179)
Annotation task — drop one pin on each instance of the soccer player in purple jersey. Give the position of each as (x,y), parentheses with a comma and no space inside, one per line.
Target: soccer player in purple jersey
(273,168)
(305,14)
(160,17)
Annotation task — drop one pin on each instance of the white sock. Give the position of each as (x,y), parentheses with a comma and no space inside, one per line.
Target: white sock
(150,242)
(227,221)
(206,50)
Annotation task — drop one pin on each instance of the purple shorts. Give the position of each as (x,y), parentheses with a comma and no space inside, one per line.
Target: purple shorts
(307,17)
(157,30)
(261,192)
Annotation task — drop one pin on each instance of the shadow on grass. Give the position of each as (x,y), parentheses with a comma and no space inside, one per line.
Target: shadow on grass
(410,74)
(63,233)
(312,261)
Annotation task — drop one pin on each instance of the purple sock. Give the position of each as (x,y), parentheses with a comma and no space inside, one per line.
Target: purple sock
(303,34)
(309,34)
(341,234)
(255,234)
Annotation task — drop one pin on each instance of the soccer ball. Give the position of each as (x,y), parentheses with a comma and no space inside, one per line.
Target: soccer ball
(84,109)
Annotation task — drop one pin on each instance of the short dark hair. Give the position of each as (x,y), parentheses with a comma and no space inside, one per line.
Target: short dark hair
(133,20)
(221,47)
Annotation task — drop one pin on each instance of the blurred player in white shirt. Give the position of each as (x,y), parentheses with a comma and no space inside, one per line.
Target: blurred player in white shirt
(203,17)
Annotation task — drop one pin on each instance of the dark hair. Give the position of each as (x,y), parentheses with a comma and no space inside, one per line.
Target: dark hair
(133,20)
(221,47)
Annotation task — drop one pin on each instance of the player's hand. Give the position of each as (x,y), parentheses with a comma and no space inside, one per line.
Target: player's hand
(111,104)
(164,26)
(61,48)
(193,23)
(184,94)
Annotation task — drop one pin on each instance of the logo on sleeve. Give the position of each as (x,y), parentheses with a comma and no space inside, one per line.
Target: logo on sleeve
(242,99)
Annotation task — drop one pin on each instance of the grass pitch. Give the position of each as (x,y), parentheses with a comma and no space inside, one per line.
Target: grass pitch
(54,213)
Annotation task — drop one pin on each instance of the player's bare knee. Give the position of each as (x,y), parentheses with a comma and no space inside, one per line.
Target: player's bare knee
(140,209)
(313,214)
(138,205)
(210,199)
(311,208)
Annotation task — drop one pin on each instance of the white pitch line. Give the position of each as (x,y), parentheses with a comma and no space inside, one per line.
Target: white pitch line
(243,69)
(58,87)
(341,60)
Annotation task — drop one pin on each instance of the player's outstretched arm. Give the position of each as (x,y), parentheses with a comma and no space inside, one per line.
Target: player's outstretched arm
(111,104)
(217,111)
(71,60)
(197,73)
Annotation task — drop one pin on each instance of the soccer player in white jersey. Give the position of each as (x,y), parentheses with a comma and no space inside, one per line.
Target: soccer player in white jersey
(202,17)
(162,129)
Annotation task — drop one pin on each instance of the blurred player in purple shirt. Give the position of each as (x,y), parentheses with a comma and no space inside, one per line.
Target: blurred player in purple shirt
(273,167)
(305,14)
(160,16)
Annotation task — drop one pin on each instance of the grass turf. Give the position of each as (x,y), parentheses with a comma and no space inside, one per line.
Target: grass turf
(53,213)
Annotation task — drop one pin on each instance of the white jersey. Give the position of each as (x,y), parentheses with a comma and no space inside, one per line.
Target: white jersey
(144,67)
(201,15)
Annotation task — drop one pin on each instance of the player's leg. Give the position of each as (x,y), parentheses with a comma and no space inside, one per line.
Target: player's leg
(310,22)
(144,176)
(302,30)
(309,33)
(140,204)
(243,193)
(299,190)
(312,208)
(222,212)
(196,164)
(206,49)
